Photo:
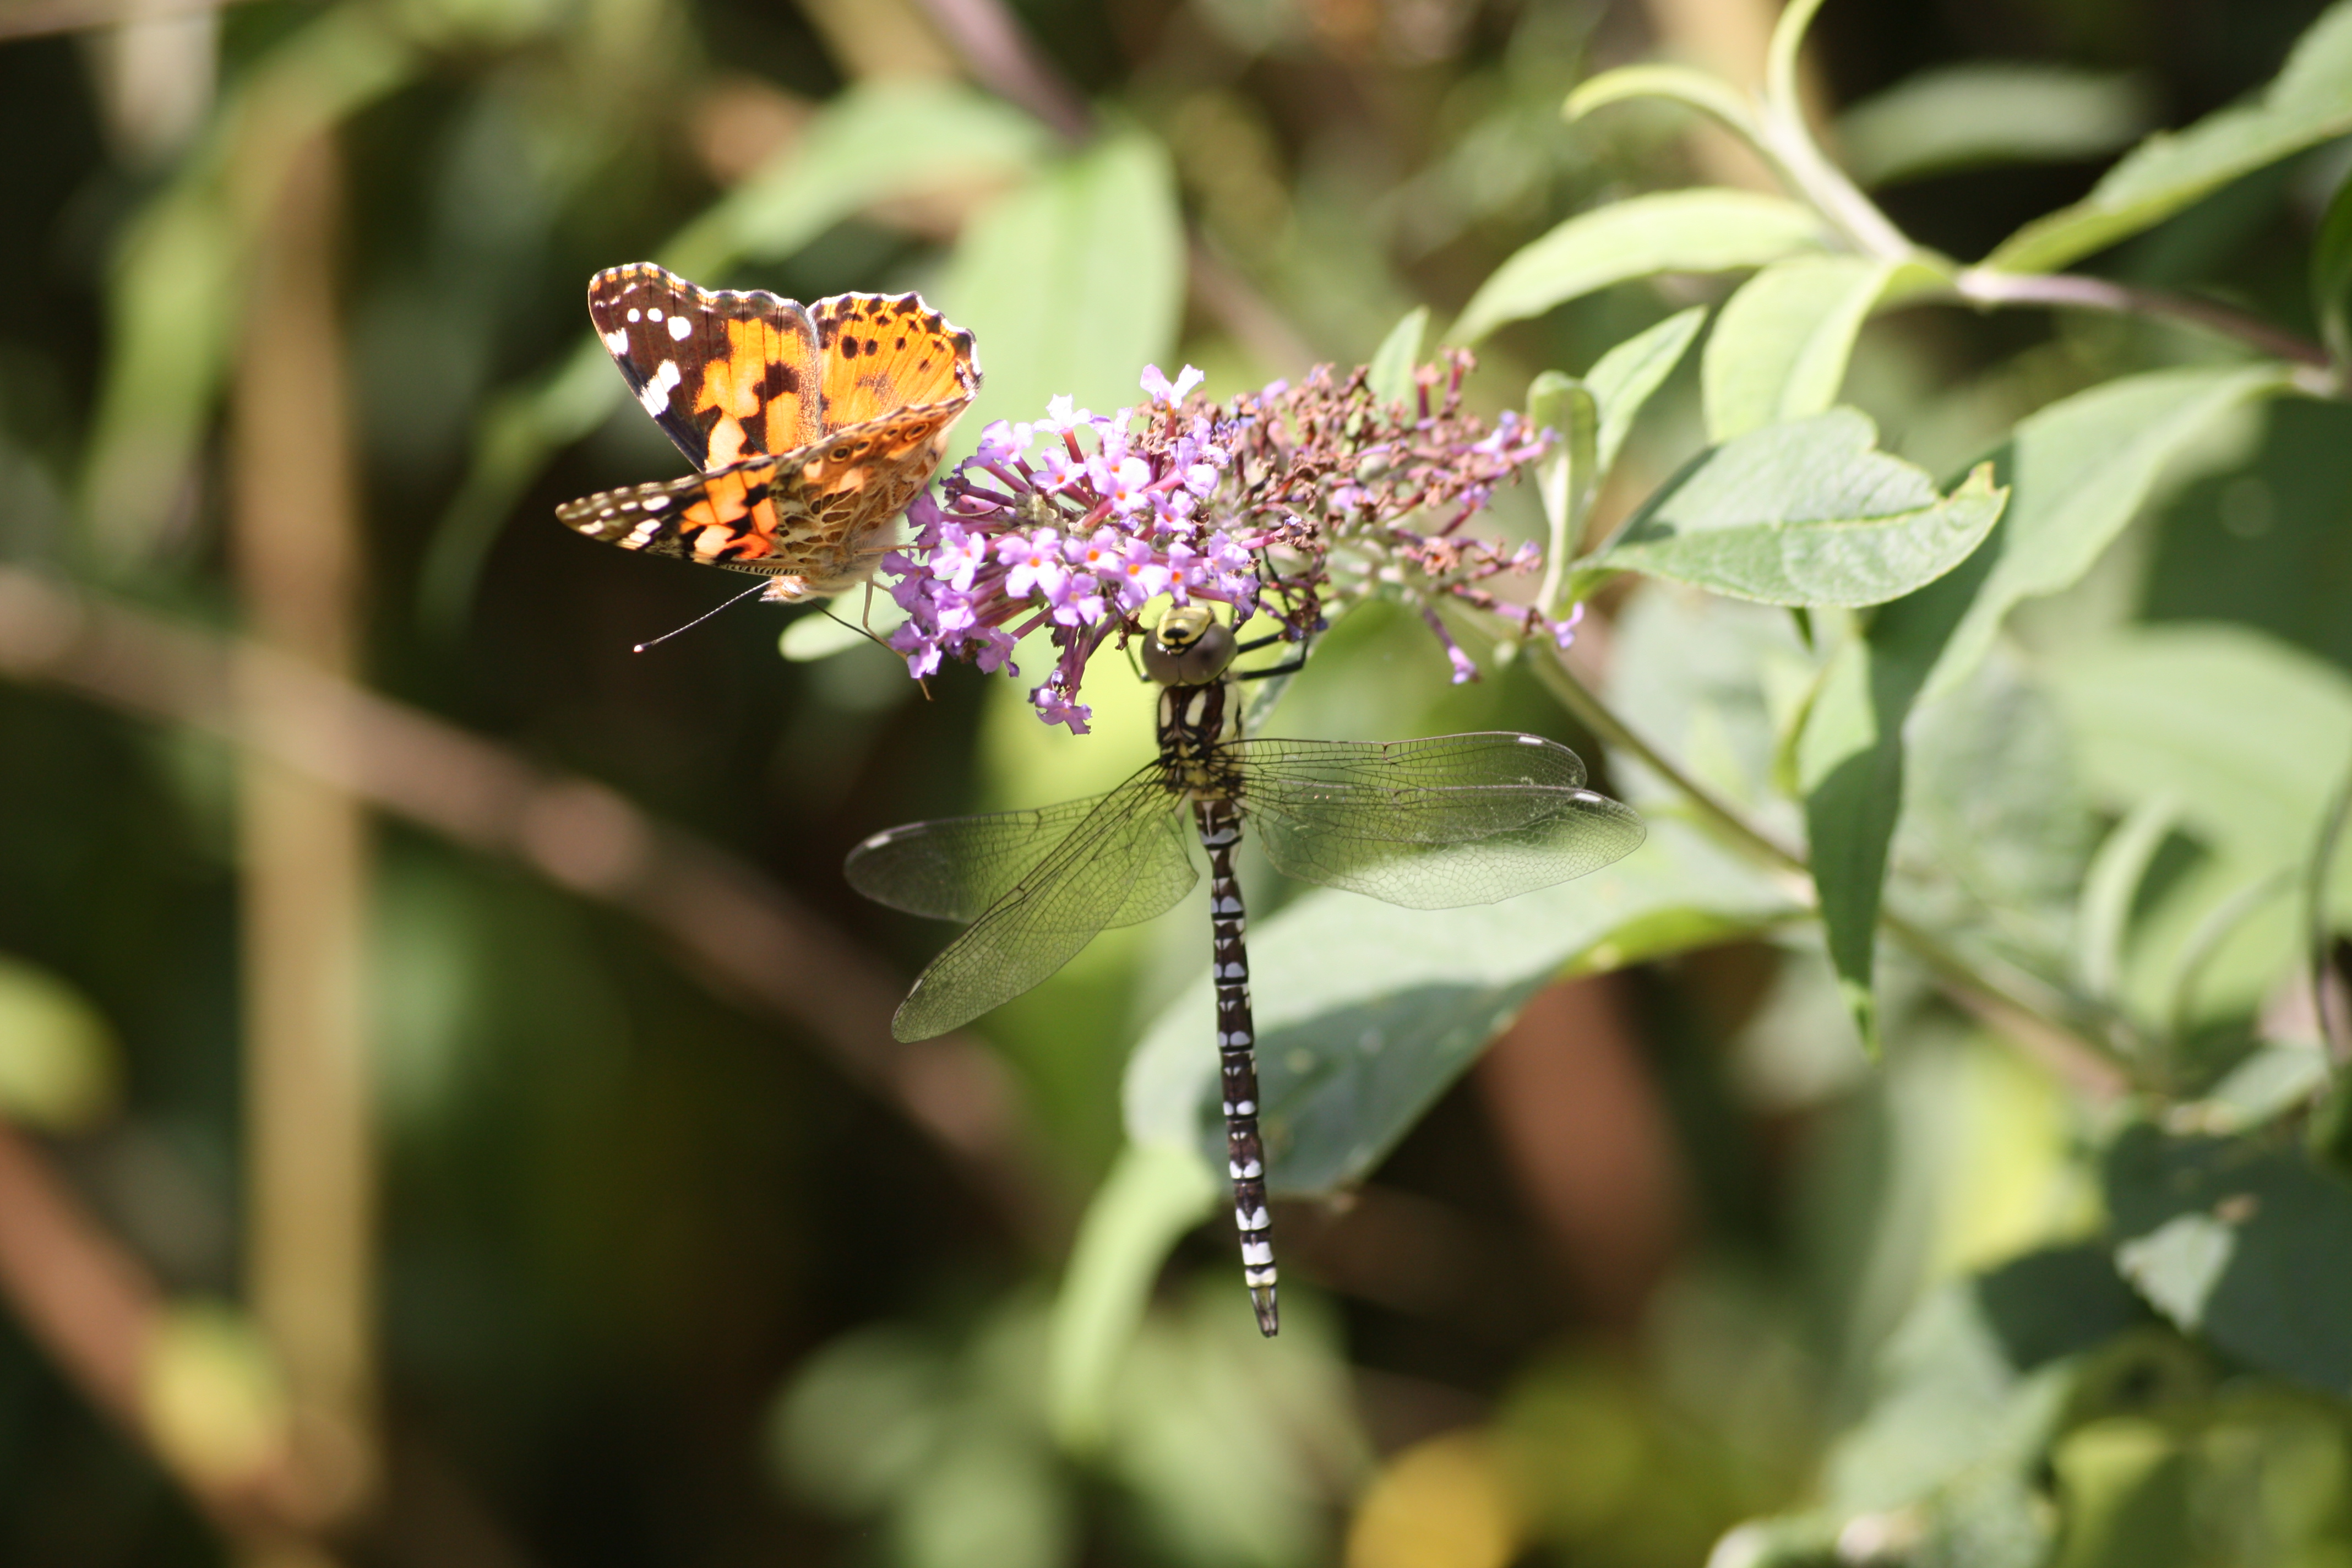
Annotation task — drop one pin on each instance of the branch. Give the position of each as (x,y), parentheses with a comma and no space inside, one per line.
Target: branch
(745,936)
(1983,286)
(92,1307)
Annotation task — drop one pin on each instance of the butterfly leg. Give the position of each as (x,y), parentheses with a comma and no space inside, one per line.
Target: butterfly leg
(1220,827)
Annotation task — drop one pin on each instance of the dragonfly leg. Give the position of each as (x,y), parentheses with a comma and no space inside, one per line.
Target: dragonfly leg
(1220,827)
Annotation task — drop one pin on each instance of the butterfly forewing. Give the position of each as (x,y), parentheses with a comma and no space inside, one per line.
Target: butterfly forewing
(1125,861)
(726,374)
(1434,824)
(884,352)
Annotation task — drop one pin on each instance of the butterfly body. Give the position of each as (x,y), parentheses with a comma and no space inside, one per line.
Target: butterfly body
(813,426)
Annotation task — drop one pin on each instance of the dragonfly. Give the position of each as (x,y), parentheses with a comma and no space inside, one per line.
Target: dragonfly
(1430,824)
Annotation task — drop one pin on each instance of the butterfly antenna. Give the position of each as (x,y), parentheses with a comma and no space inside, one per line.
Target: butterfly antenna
(727,602)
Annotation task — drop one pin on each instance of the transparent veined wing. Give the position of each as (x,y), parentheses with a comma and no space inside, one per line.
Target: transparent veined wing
(1433,824)
(1126,860)
(953,867)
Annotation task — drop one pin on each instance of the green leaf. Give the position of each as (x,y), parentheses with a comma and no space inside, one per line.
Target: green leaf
(2080,469)
(1568,473)
(1072,284)
(1779,350)
(892,137)
(1622,379)
(179,285)
(2111,888)
(1152,1196)
(2331,273)
(1976,1375)
(1681,84)
(1850,766)
(2248,735)
(2243,1243)
(1805,514)
(1989,111)
(2310,102)
(1705,230)
(1391,373)
(1351,1053)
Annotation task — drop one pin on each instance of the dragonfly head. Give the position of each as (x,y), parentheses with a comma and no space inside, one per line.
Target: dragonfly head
(1190,647)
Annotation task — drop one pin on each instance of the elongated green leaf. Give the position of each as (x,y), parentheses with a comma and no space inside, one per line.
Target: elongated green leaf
(2250,736)
(1806,513)
(1779,350)
(1390,375)
(2310,101)
(1367,1012)
(892,137)
(2331,273)
(1152,1196)
(179,286)
(1850,766)
(2247,1245)
(1568,473)
(2116,875)
(1705,230)
(2079,470)
(1622,379)
(1989,111)
(1072,284)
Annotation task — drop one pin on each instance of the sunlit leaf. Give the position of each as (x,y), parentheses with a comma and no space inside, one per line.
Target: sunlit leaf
(1152,1196)
(1072,284)
(2245,1244)
(1703,230)
(1622,379)
(1351,1053)
(2309,102)
(2078,470)
(1805,513)
(1389,374)
(1781,344)
(1989,111)
(2249,736)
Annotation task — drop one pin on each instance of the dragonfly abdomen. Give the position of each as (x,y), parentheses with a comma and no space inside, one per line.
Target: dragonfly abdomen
(1221,830)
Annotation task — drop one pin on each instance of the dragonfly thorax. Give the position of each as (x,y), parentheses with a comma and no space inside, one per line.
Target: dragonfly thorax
(1195,722)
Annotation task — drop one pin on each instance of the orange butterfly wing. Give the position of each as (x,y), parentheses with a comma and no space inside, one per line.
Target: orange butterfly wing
(725,373)
(814,428)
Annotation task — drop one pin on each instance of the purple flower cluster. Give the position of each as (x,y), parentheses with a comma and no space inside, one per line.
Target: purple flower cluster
(1282,501)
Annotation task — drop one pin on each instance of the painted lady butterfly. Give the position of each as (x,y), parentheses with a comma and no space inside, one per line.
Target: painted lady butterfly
(813,426)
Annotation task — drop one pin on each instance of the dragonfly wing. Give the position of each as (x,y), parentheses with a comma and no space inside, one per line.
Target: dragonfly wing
(1125,862)
(954,868)
(1433,824)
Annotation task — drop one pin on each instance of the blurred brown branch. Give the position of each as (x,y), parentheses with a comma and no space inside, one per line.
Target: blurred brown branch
(94,1309)
(744,935)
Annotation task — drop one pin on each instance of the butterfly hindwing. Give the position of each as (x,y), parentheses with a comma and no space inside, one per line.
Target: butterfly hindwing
(727,375)
(726,518)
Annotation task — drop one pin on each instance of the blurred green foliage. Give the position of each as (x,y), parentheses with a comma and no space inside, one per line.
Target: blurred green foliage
(1996,1216)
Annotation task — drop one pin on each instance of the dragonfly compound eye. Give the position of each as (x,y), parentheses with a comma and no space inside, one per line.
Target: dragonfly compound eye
(1191,648)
